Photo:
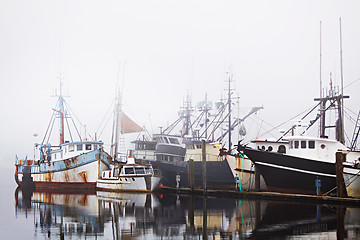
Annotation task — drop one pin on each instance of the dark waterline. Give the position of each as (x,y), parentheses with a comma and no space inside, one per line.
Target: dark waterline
(101,215)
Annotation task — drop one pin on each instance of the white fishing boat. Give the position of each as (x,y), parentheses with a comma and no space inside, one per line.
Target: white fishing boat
(67,164)
(129,177)
(126,176)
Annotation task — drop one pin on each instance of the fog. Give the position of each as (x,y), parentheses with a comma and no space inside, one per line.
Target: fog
(167,49)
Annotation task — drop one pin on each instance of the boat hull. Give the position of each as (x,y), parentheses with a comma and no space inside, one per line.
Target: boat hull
(289,174)
(129,184)
(245,170)
(352,181)
(77,172)
(218,174)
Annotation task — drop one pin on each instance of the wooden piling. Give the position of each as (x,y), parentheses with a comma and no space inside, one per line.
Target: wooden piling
(191,179)
(339,174)
(203,148)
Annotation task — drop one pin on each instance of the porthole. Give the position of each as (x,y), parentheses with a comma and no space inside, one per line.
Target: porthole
(323,146)
(133,179)
(270,148)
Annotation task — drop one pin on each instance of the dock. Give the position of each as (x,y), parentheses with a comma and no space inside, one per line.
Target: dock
(268,196)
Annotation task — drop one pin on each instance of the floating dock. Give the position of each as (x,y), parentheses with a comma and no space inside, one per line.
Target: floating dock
(228,193)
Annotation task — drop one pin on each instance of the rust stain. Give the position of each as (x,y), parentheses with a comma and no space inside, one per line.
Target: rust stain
(47,177)
(67,179)
(97,156)
(83,175)
(238,165)
(67,163)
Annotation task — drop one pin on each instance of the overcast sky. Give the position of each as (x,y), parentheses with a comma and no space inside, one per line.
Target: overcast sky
(170,48)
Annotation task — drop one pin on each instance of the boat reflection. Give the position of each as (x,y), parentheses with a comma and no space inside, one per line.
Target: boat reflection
(114,215)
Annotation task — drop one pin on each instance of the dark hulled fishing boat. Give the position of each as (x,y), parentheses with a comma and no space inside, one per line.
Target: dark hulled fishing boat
(308,160)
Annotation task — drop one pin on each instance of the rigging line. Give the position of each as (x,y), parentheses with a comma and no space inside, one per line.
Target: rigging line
(68,125)
(319,115)
(110,116)
(283,124)
(352,83)
(348,109)
(223,136)
(72,112)
(51,121)
(218,116)
(197,120)
(172,126)
(52,125)
(67,106)
(105,116)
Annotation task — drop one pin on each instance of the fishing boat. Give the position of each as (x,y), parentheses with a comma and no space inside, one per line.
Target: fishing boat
(171,152)
(67,164)
(129,177)
(125,174)
(307,160)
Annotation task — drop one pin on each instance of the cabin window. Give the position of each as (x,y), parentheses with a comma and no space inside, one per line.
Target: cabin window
(79,147)
(198,146)
(296,144)
(95,146)
(174,141)
(291,145)
(54,156)
(88,147)
(282,149)
(129,170)
(140,170)
(148,170)
(166,140)
(312,144)
(303,144)
(190,146)
(150,146)
(159,140)
(71,148)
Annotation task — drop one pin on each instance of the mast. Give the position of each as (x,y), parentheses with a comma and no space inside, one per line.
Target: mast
(206,115)
(341,99)
(61,111)
(117,116)
(322,104)
(229,108)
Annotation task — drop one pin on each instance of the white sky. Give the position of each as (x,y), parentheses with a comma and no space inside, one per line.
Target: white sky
(170,47)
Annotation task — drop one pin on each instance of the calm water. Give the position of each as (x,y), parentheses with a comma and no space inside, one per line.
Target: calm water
(101,215)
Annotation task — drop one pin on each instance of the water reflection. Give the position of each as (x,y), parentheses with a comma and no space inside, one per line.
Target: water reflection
(105,215)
